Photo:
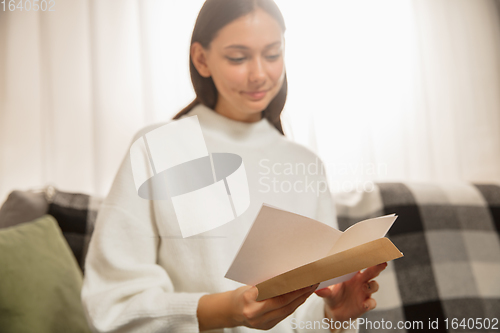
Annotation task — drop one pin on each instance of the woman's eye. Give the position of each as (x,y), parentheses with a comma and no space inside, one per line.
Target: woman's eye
(273,57)
(236,60)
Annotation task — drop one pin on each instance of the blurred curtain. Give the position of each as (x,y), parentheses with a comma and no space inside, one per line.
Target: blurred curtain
(381,90)
(76,83)
(397,90)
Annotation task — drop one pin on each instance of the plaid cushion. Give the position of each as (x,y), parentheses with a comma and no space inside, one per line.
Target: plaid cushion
(449,234)
(76,214)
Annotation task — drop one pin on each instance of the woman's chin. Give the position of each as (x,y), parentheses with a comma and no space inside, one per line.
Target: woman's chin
(257,106)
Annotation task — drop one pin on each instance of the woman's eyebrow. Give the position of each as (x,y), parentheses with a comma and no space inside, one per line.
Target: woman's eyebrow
(243,47)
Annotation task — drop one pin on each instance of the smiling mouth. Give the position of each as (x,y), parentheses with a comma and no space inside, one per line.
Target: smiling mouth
(256,95)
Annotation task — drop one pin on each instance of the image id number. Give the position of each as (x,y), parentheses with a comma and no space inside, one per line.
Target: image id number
(471,323)
(28,5)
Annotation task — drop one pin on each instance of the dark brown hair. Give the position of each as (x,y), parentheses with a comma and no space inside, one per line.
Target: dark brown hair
(213,16)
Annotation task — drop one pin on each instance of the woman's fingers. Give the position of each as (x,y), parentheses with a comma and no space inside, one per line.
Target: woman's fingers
(284,300)
(369,304)
(371,287)
(252,292)
(266,314)
(283,312)
(372,272)
(324,292)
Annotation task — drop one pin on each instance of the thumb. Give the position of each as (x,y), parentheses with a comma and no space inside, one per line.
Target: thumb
(254,292)
(325,292)
(249,292)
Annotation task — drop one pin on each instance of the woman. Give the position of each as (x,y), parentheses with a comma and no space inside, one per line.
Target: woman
(141,275)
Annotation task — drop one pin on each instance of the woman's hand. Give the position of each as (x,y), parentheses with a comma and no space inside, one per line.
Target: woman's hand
(240,308)
(267,313)
(352,298)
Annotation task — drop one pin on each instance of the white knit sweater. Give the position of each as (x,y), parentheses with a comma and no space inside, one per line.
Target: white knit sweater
(142,276)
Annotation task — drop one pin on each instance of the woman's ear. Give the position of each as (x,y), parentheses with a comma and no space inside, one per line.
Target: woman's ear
(199,58)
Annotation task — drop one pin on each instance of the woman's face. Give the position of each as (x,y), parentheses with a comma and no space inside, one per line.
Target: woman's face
(245,61)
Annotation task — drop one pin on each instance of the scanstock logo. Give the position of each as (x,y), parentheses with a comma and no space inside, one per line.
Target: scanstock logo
(172,162)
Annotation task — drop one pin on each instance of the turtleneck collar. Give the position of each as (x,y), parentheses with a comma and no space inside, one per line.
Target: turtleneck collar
(213,123)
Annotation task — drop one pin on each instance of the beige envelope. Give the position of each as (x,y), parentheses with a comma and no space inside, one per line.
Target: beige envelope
(284,251)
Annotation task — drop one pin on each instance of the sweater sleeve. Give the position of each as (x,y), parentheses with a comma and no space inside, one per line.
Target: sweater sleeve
(124,289)
(313,309)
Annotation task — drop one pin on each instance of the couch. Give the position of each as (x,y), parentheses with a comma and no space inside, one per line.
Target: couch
(447,281)
(449,277)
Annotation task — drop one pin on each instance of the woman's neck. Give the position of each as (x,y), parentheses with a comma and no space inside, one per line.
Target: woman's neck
(232,113)
(223,129)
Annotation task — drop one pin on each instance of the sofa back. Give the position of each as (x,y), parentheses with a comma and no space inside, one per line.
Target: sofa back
(449,235)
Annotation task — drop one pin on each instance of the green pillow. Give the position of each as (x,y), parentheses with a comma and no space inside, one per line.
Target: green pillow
(40,281)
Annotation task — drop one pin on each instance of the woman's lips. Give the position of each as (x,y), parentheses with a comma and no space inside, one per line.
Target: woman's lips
(256,95)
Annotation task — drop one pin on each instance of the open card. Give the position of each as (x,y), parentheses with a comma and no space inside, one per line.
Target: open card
(284,251)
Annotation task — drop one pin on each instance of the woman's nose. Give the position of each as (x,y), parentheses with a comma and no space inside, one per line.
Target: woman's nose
(257,73)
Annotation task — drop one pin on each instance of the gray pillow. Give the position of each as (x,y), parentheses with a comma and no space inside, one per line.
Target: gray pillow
(23,206)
